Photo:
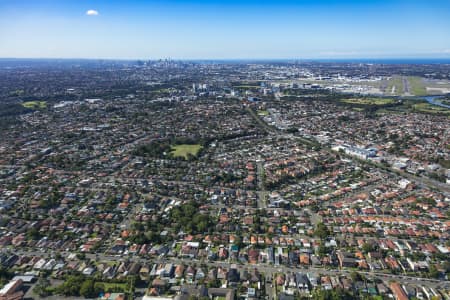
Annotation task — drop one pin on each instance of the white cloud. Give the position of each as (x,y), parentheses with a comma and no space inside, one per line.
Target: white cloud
(92,12)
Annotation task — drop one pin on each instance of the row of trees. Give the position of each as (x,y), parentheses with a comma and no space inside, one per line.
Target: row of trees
(74,286)
(185,217)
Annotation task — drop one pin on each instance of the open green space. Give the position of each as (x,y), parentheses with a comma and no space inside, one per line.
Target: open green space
(431,109)
(416,106)
(110,287)
(395,86)
(263,113)
(417,86)
(35,104)
(184,150)
(369,101)
(445,102)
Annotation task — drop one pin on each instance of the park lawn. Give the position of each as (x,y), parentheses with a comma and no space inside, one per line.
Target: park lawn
(35,104)
(417,86)
(369,101)
(184,150)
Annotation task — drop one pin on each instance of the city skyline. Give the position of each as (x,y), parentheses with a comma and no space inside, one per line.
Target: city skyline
(224,29)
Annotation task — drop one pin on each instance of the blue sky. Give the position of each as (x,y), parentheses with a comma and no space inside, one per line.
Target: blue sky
(202,29)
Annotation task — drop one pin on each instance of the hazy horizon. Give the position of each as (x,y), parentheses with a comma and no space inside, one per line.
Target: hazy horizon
(238,59)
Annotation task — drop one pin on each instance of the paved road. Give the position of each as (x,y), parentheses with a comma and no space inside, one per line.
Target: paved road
(267,269)
(268,129)
(424,181)
(262,193)
(406,87)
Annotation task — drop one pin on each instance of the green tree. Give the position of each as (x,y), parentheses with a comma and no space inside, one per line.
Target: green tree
(322,231)
(433,272)
(33,233)
(335,294)
(87,289)
(42,287)
(5,275)
(81,256)
(322,250)
(355,276)
(367,247)
(71,287)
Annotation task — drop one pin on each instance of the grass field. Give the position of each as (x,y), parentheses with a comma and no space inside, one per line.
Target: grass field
(417,86)
(263,113)
(114,286)
(431,109)
(35,104)
(369,101)
(396,82)
(184,149)
(445,102)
